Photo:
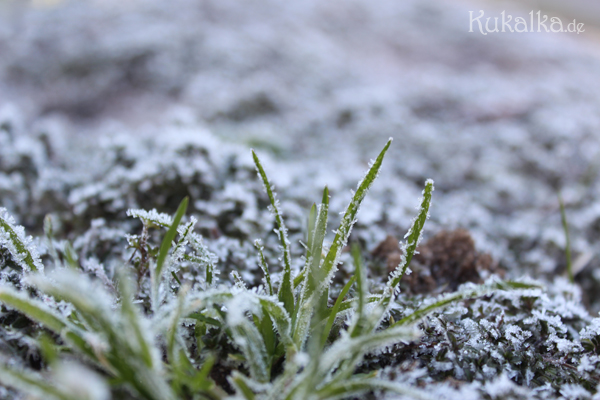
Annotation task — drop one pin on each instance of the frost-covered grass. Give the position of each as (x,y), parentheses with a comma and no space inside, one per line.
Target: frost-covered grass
(200,302)
(162,326)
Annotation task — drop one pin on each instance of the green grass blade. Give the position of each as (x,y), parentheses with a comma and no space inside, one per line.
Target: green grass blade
(49,233)
(71,256)
(563,218)
(264,266)
(174,352)
(167,243)
(312,222)
(353,348)
(362,291)
(343,232)
(242,387)
(299,278)
(33,309)
(31,383)
(250,341)
(413,236)
(360,385)
(348,304)
(313,277)
(335,309)
(265,327)
(38,312)
(205,319)
(128,352)
(286,288)
(279,317)
(472,293)
(12,237)
(320,229)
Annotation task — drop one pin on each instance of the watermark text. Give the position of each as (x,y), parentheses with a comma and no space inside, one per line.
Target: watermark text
(537,22)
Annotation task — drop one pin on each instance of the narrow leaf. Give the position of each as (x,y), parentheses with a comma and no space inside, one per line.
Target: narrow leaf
(336,308)
(359,385)
(286,291)
(167,243)
(478,291)
(413,236)
(349,219)
(31,383)
(12,237)
(264,266)
(361,284)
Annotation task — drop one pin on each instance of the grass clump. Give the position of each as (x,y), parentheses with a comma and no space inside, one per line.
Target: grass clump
(174,335)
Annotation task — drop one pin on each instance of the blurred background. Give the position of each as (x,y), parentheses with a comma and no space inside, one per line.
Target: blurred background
(501,122)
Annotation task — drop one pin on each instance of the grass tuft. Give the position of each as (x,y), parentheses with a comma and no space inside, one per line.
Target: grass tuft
(198,340)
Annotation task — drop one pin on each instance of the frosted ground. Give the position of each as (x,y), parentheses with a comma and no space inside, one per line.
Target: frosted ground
(107,107)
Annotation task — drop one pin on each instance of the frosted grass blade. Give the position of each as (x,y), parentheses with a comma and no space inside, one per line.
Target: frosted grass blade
(31,383)
(12,237)
(478,291)
(167,243)
(361,284)
(335,309)
(359,385)
(38,312)
(348,348)
(286,288)
(413,236)
(250,341)
(264,266)
(349,219)
(314,276)
(241,385)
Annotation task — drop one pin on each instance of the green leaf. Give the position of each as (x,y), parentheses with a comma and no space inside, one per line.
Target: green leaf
(49,232)
(360,384)
(48,348)
(471,293)
(264,266)
(312,222)
(349,219)
(31,383)
(412,241)
(361,325)
(131,315)
(314,277)
(279,317)
(320,229)
(336,308)
(345,354)
(205,319)
(126,348)
(250,341)
(14,240)
(38,312)
(172,331)
(265,326)
(286,289)
(242,387)
(167,243)
(71,256)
